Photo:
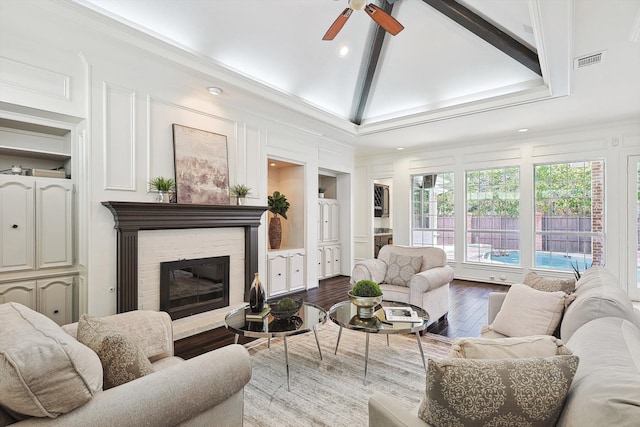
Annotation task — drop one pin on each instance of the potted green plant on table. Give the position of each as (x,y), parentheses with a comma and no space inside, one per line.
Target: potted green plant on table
(278,206)
(240,191)
(365,295)
(321,191)
(163,186)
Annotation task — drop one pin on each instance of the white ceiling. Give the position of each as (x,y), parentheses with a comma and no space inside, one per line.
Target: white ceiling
(431,72)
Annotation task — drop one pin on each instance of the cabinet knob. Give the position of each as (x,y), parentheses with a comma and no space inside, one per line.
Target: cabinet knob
(56,311)
(14,226)
(279,274)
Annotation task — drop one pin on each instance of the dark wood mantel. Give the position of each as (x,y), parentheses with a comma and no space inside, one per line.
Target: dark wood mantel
(131,217)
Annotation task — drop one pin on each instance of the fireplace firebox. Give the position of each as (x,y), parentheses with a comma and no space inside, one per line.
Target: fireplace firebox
(191,286)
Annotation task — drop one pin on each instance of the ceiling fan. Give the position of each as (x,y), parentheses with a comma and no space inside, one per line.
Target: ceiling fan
(382,18)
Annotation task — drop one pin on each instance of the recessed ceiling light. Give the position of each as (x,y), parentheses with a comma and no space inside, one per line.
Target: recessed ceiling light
(272,164)
(214,90)
(344,51)
(523,130)
(400,148)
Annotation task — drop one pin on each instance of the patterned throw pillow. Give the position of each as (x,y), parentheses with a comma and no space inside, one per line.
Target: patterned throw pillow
(497,392)
(402,268)
(122,358)
(546,284)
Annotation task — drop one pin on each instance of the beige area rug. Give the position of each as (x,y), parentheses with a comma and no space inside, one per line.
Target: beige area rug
(331,392)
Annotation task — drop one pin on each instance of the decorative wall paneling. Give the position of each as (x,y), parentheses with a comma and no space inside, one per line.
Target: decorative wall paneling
(119,138)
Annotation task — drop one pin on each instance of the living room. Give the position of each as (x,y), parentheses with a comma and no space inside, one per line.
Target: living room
(114,93)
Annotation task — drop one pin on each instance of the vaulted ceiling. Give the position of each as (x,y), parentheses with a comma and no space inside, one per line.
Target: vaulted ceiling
(453,58)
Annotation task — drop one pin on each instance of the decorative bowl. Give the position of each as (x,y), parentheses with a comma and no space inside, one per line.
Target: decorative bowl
(284,314)
(365,305)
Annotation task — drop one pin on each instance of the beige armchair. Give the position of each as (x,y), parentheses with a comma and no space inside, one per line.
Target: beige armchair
(411,274)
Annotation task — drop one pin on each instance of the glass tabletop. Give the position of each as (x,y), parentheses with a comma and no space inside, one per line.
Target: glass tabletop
(309,317)
(345,314)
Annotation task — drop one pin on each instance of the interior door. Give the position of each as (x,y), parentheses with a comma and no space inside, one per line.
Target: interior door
(633,226)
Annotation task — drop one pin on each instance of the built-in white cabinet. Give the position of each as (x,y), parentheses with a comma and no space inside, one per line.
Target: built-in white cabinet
(52,297)
(328,238)
(285,271)
(36,220)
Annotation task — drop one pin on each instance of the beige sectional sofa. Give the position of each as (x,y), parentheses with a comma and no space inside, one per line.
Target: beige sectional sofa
(601,327)
(45,372)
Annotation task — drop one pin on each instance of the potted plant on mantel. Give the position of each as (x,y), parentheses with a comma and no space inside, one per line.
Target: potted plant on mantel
(240,191)
(278,206)
(163,186)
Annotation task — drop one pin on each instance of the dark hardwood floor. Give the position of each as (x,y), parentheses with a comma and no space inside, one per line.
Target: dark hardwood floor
(467,314)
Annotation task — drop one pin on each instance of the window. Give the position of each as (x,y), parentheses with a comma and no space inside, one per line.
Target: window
(493,216)
(569,217)
(433,214)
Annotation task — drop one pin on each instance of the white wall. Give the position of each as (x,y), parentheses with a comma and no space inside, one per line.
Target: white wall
(613,142)
(126,91)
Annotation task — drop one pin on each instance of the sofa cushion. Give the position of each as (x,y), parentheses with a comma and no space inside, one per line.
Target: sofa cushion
(401,268)
(44,372)
(547,284)
(506,348)
(122,358)
(475,392)
(606,387)
(527,311)
(596,298)
(595,276)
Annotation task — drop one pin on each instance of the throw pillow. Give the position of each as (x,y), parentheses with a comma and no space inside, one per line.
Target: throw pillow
(508,348)
(549,285)
(122,358)
(527,311)
(44,372)
(515,392)
(402,268)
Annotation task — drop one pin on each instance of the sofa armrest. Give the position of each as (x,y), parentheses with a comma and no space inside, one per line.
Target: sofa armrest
(385,411)
(430,279)
(494,304)
(369,269)
(165,398)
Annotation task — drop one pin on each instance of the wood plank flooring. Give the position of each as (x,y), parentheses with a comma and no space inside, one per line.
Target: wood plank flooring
(467,313)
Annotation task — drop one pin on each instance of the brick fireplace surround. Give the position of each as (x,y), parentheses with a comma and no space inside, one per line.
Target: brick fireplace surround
(133,217)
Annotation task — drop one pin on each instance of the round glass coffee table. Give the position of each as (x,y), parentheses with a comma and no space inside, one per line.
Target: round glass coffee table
(309,318)
(344,314)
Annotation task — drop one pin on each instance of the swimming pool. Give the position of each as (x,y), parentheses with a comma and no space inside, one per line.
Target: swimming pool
(543,260)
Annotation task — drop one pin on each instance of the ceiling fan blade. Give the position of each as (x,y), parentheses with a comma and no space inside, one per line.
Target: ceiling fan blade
(383,19)
(337,25)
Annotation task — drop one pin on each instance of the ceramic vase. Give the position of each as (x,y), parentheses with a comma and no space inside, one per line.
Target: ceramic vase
(256,295)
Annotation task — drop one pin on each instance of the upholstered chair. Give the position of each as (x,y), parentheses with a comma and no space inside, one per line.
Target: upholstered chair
(416,275)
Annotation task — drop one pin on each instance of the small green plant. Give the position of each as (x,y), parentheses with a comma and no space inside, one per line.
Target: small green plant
(321,190)
(366,288)
(576,269)
(161,183)
(278,204)
(240,190)
(287,304)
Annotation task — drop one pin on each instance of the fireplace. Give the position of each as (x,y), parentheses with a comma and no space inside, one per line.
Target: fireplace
(192,286)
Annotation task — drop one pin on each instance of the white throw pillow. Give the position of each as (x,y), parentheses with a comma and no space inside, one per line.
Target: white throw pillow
(507,348)
(527,311)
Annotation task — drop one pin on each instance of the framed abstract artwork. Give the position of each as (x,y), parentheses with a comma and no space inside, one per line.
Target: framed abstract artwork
(202,166)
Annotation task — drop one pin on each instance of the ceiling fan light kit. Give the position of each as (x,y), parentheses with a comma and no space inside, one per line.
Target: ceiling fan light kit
(382,18)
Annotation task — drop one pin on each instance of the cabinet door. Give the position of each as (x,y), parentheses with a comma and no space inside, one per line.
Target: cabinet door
(21,292)
(54,204)
(334,227)
(321,273)
(336,260)
(55,299)
(325,218)
(328,261)
(296,271)
(17,222)
(277,274)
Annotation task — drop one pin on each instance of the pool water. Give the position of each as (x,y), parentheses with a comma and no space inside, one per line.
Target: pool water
(543,260)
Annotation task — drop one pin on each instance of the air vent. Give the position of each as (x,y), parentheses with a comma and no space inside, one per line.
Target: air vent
(585,61)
